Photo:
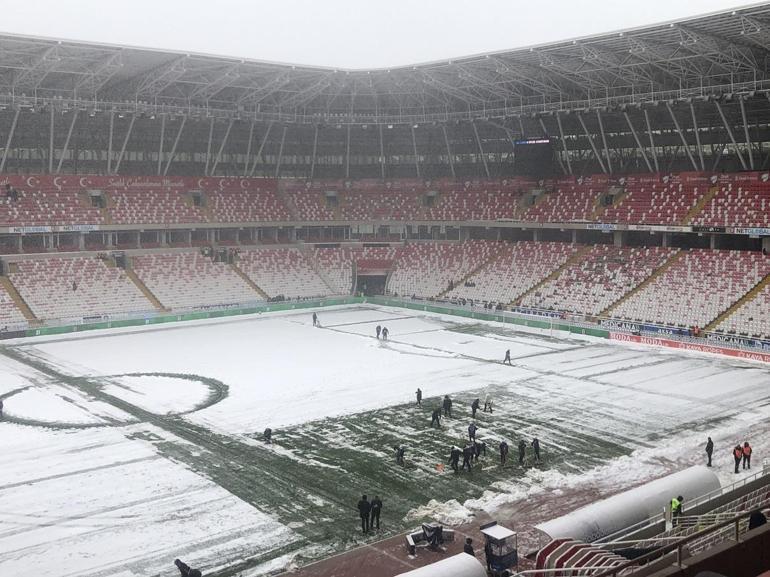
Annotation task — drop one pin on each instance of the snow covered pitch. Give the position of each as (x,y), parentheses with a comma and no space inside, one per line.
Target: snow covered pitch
(121,450)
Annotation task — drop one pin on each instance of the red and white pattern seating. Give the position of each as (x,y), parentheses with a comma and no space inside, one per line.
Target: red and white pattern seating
(283,271)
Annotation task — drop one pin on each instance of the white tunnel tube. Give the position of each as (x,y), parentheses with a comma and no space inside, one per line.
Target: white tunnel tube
(615,513)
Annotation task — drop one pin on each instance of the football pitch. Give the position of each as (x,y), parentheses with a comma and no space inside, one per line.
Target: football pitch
(122,450)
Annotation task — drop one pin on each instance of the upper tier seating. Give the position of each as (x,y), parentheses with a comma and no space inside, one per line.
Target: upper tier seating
(519,267)
(600,278)
(655,202)
(185,280)
(311,204)
(36,207)
(568,203)
(426,269)
(161,205)
(467,204)
(60,288)
(697,288)
(751,319)
(742,205)
(237,205)
(283,271)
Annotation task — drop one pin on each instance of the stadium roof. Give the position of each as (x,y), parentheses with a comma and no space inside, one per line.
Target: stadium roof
(718,53)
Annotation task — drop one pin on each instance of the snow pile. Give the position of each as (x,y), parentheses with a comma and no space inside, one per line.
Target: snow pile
(449,513)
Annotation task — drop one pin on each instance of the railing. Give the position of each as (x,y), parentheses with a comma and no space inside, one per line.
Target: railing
(676,546)
(695,502)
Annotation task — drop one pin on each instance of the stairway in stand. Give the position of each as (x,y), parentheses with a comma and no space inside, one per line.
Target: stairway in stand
(738,304)
(18,300)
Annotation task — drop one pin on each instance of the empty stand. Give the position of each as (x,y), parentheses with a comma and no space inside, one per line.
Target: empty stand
(283,271)
(568,203)
(518,268)
(744,205)
(61,288)
(697,288)
(752,319)
(162,205)
(237,205)
(656,202)
(185,280)
(601,277)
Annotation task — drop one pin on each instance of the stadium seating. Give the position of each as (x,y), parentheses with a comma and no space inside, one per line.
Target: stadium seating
(655,202)
(310,203)
(36,207)
(518,268)
(744,205)
(752,319)
(60,288)
(697,288)
(10,314)
(184,280)
(237,205)
(426,269)
(283,271)
(463,204)
(164,205)
(568,203)
(600,278)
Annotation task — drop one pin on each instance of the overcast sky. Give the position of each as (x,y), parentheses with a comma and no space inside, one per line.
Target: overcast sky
(339,33)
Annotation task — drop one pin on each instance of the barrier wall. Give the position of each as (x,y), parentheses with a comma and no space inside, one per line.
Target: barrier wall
(689,346)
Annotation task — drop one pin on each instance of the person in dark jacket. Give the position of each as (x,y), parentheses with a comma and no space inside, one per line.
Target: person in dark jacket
(507,357)
(315,320)
(376,506)
(709,450)
(1,409)
(756,519)
(385,333)
(447,406)
(454,457)
(378,330)
(536,449)
(400,450)
(435,417)
(522,451)
(474,407)
(364,508)
(479,447)
(419,397)
(467,456)
(472,428)
(503,452)
(268,435)
(468,547)
(488,555)
(185,570)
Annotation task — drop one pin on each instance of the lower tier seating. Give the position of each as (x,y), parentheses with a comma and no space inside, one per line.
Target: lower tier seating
(752,319)
(60,288)
(697,288)
(428,269)
(283,272)
(185,280)
(519,267)
(10,314)
(597,280)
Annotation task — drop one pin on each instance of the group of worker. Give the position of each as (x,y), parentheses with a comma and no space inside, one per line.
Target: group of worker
(741,454)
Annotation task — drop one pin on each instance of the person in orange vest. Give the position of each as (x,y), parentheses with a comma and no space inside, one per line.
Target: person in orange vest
(746,455)
(737,455)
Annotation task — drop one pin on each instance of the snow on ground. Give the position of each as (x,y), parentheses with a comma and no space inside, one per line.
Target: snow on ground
(96,502)
(608,417)
(159,394)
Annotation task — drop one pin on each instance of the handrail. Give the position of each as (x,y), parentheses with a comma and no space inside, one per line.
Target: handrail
(705,498)
(665,549)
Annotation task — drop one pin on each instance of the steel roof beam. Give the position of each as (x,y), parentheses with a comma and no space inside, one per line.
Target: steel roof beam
(591,142)
(730,134)
(34,73)
(158,80)
(92,82)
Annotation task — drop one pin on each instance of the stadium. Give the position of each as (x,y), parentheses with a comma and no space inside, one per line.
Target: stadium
(237,295)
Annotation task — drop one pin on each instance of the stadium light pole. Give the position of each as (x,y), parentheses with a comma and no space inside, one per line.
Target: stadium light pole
(592,143)
(730,134)
(604,141)
(682,138)
(697,137)
(742,102)
(563,142)
(449,152)
(67,141)
(11,132)
(173,147)
(638,142)
(160,144)
(652,141)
